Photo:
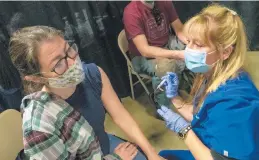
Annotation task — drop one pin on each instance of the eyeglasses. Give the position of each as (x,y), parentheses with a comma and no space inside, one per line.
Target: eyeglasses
(157,15)
(62,64)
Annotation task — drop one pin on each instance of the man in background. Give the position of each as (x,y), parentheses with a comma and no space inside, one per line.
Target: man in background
(153,49)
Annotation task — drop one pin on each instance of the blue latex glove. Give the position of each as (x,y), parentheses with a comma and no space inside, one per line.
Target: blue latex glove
(173,120)
(171,84)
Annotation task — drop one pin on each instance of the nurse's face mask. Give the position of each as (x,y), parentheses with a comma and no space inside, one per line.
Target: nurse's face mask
(195,60)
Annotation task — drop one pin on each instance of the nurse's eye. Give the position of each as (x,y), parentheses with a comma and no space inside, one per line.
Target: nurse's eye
(199,45)
(188,41)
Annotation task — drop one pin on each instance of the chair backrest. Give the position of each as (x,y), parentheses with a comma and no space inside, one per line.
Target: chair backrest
(10,134)
(124,45)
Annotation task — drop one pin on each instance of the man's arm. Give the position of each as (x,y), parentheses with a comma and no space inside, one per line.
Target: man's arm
(178,29)
(155,52)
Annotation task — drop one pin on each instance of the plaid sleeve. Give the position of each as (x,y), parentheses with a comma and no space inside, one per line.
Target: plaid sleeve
(39,145)
(90,149)
(53,130)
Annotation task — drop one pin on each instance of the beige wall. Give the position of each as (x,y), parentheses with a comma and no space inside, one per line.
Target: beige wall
(252,66)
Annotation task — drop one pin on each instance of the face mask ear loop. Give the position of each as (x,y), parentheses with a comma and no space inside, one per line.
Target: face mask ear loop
(215,51)
(224,49)
(211,52)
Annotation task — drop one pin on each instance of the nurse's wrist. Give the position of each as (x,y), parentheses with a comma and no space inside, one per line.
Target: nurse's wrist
(188,135)
(183,133)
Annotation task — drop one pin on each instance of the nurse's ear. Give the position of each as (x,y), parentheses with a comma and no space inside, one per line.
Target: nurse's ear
(227,52)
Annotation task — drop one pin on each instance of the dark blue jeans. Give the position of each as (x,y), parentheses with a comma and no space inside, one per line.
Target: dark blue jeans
(176,155)
(115,141)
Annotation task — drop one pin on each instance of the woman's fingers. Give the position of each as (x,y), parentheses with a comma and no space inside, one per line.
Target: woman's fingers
(131,148)
(133,155)
(119,146)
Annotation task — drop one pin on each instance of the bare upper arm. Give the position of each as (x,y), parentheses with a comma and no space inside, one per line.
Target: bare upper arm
(177,26)
(141,43)
(109,97)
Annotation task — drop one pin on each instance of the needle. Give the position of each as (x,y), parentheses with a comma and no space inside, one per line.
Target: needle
(161,84)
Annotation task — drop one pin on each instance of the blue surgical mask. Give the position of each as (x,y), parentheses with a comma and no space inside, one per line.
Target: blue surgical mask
(195,60)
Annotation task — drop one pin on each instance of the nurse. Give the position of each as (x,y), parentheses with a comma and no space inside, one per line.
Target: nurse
(222,120)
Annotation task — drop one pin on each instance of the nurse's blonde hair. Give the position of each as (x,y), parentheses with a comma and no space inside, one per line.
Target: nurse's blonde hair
(221,27)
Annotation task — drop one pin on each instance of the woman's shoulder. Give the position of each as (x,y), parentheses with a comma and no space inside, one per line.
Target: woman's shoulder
(34,112)
(93,78)
(43,101)
(46,112)
(237,90)
(48,116)
(91,69)
(43,106)
(241,84)
(40,98)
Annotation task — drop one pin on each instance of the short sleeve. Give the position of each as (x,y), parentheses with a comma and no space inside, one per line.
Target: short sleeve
(93,76)
(171,11)
(232,123)
(132,23)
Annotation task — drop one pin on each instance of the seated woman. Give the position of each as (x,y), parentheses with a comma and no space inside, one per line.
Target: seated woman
(10,82)
(223,121)
(66,95)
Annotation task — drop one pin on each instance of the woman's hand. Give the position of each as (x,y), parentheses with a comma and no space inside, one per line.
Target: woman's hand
(126,151)
(173,120)
(171,84)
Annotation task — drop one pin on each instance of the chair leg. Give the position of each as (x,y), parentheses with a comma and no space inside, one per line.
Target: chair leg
(143,84)
(131,83)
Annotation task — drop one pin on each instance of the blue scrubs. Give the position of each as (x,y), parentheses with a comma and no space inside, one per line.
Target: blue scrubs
(228,121)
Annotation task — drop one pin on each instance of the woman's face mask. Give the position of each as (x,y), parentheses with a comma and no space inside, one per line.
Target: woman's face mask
(72,77)
(195,60)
